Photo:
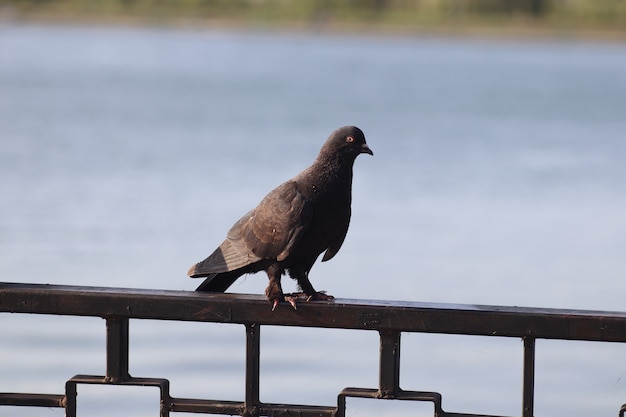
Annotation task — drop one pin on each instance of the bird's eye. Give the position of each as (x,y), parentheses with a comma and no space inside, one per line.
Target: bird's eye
(349,139)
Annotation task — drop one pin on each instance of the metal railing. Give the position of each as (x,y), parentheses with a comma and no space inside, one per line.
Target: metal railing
(390,319)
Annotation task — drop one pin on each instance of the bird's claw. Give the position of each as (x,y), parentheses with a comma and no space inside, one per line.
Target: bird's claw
(320,296)
(295,296)
(317,296)
(289,298)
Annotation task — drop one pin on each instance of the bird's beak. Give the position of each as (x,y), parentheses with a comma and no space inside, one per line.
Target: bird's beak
(366,149)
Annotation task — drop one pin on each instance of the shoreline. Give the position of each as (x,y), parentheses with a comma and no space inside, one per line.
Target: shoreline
(476,29)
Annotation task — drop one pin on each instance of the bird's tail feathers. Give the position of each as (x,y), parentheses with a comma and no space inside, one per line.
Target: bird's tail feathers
(219,282)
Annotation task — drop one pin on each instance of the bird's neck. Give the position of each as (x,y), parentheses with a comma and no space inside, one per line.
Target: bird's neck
(328,174)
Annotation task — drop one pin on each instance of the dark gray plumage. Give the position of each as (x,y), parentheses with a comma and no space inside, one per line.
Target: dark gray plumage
(292,225)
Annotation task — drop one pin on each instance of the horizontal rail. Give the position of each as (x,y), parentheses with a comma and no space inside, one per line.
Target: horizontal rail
(389,319)
(33,400)
(481,320)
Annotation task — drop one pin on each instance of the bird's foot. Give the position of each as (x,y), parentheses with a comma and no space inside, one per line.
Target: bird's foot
(316,296)
(291,299)
(319,296)
(288,297)
(294,297)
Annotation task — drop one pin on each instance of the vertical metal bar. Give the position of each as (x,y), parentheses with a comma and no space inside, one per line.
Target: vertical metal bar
(528,399)
(389,374)
(70,399)
(117,350)
(341,406)
(253,352)
(164,410)
(166,399)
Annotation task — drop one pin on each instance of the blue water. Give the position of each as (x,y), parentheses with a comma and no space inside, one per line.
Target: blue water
(498,178)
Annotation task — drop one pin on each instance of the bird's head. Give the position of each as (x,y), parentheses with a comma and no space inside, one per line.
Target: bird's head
(347,141)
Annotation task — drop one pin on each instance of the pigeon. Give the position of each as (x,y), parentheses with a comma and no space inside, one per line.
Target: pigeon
(293,224)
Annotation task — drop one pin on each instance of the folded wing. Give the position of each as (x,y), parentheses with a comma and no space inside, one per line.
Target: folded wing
(270,231)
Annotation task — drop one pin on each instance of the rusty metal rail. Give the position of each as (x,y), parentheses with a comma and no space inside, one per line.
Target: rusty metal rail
(390,319)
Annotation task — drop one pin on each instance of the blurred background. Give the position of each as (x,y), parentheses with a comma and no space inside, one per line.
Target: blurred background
(574,17)
(133,134)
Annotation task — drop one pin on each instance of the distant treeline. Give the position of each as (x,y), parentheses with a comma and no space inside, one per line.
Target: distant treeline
(402,14)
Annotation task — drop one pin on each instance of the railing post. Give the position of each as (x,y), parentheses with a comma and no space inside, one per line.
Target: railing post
(389,374)
(70,399)
(117,350)
(253,338)
(528,399)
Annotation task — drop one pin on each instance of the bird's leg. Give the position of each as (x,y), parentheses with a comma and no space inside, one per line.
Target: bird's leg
(274,291)
(307,290)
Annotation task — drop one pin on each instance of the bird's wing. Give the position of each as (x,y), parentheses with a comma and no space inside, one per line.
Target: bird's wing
(335,245)
(269,231)
(232,254)
(278,223)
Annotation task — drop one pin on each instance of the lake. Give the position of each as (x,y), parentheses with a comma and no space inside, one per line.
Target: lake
(499,177)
